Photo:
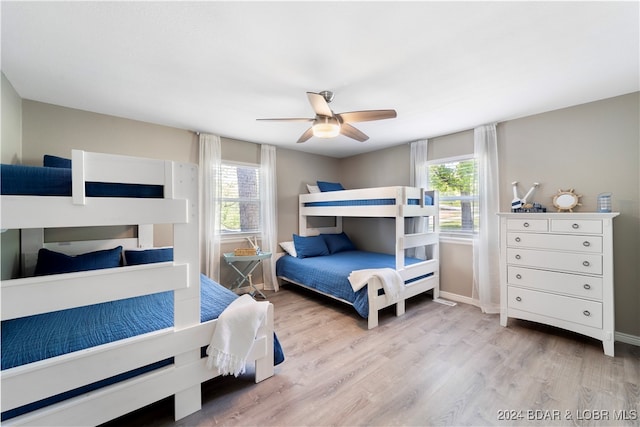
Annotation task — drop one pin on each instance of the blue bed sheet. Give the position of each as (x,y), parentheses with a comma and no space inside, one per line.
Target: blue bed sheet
(20,180)
(369,202)
(330,274)
(42,336)
(33,338)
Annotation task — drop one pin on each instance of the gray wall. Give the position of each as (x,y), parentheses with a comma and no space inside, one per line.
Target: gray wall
(592,148)
(51,129)
(11,149)
(391,167)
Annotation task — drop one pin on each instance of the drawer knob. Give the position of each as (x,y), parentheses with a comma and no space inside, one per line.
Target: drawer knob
(586,244)
(518,239)
(575,226)
(518,299)
(586,313)
(587,286)
(518,276)
(518,257)
(586,263)
(525,225)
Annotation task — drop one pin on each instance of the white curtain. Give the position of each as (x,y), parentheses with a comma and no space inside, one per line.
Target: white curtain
(419,177)
(486,273)
(268,213)
(210,166)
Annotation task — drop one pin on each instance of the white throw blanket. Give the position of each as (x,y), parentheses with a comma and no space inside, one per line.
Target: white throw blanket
(235,334)
(391,280)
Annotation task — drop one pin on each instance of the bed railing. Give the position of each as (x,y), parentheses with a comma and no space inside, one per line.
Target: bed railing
(28,296)
(43,294)
(23,385)
(95,167)
(401,207)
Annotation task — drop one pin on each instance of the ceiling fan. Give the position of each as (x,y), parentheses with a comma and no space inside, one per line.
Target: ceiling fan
(327,124)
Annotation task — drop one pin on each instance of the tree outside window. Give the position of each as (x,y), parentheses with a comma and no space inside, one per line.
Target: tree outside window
(239,199)
(457,184)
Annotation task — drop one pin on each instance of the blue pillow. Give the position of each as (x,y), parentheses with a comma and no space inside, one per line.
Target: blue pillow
(338,242)
(329,186)
(148,256)
(50,262)
(310,246)
(56,162)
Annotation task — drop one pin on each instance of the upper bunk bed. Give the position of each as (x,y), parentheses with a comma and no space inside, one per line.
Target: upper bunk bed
(173,200)
(381,202)
(398,203)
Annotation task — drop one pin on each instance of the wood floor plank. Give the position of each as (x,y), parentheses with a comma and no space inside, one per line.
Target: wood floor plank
(435,365)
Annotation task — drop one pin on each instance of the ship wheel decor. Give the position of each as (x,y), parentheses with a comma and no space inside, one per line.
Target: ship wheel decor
(566,200)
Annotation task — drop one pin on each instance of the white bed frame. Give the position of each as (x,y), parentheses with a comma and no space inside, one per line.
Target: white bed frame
(33,295)
(399,211)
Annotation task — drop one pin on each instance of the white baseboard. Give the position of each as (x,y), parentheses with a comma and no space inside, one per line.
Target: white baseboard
(619,336)
(627,338)
(457,298)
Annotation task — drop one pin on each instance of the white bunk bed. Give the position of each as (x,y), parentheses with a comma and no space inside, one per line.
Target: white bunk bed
(183,342)
(397,203)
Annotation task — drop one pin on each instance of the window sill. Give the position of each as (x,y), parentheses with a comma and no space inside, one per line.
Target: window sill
(462,239)
(237,238)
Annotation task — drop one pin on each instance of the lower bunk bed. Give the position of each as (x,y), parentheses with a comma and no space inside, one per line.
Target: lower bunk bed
(51,340)
(329,274)
(132,334)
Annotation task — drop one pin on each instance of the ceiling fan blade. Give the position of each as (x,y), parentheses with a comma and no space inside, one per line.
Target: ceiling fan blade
(348,130)
(319,104)
(292,119)
(366,116)
(305,136)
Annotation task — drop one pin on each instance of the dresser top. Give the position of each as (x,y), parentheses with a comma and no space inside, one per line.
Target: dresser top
(560,215)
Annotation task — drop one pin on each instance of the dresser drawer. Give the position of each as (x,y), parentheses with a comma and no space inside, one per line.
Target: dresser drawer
(591,244)
(565,283)
(527,224)
(579,263)
(570,309)
(577,225)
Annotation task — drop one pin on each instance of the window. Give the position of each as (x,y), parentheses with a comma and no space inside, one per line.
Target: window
(239,199)
(456,181)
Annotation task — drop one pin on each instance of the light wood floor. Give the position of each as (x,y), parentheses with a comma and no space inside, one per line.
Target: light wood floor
(434,366)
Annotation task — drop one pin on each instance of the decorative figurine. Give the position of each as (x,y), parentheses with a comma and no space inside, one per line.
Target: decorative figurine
(521,204)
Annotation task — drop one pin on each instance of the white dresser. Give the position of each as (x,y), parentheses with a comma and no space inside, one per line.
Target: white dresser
(557,269)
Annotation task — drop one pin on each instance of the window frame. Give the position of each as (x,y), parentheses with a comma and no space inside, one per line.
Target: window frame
(457,234)
(239,235)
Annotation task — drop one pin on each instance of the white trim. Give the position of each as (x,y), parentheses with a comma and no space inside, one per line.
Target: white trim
(228,236)
(619,336)
(627,338)
(458,298)
(236,163)
(458,240)
(239,237)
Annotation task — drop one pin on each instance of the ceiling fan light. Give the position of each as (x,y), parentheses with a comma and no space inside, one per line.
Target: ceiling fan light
(326,127)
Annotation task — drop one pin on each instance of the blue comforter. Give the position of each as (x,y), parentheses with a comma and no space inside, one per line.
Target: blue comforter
(24,180)
(33,338)
(330,274)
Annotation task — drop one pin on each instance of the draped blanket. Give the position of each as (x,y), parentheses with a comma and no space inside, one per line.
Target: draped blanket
(235,334)
(391,280)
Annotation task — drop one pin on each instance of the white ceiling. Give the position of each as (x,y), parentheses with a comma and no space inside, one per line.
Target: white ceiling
(217,66)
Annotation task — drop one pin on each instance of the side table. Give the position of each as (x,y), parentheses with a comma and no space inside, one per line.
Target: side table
(244,266)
